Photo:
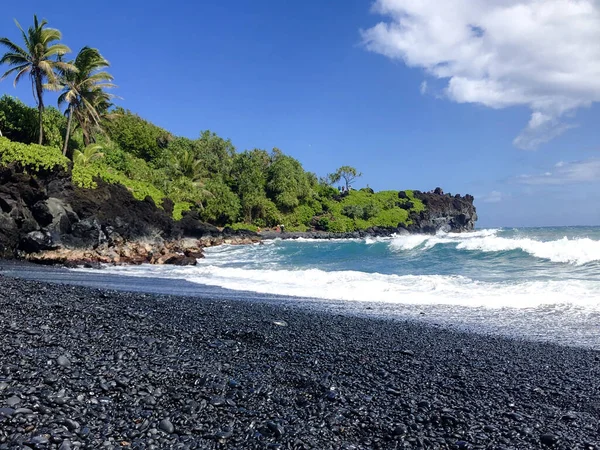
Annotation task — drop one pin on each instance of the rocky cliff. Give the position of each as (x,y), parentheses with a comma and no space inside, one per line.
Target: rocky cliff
(47,219)
(443,212)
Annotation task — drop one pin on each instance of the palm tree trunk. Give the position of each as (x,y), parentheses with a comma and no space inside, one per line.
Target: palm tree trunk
(68,129)
(39,91)
(41,114)
(86,138)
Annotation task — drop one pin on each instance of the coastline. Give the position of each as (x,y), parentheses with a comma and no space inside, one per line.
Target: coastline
(145,370)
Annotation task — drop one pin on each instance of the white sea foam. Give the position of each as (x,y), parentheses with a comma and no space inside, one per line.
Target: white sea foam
(575,251)
(374,287)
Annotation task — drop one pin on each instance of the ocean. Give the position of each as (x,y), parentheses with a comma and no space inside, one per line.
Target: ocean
(534,283)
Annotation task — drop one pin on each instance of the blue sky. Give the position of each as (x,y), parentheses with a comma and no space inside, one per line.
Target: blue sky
(388,87)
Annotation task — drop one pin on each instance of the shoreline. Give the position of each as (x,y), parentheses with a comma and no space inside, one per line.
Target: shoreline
(110,369)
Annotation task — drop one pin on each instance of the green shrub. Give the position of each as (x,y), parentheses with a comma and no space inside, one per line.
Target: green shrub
(353,211)
(323,224)
(244,226)
(221,205)
(18,122)
(136,135)
(301,218)
(55,127)
(32,157)
(371,210)
(84,176)
(179,208)
(341,225)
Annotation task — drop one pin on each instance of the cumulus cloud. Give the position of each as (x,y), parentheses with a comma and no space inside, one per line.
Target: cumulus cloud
(543,54)
(586,171)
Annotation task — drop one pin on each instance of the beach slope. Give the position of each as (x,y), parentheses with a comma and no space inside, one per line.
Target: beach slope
(84,368)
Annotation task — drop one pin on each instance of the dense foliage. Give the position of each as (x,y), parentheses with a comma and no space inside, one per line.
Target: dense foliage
(19,123)
(33,157)
(250,189)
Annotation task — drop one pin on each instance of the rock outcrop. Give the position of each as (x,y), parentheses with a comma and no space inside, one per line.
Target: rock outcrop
(443,212)
(46,219)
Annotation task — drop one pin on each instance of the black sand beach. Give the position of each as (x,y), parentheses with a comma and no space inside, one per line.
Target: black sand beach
(85,368)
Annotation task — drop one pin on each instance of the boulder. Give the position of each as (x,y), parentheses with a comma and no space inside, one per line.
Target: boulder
(176,260)
(37,241)
(9,236)
(191,226)
(443,213)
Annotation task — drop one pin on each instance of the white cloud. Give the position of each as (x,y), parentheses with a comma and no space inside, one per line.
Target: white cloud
(543,54)
(423,88)
(492,197)
(566,173)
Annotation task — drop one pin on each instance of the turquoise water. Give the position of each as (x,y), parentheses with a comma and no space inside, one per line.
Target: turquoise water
(511,280)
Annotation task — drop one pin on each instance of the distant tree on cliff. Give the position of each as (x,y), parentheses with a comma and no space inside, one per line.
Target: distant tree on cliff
(288,184)
(39,59)
(83,92)
(347,173)
(136,135)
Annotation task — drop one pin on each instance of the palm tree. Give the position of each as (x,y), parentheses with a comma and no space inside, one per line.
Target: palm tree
(90,154)
(83,91)
(36,60)
(90,117)
(189,166)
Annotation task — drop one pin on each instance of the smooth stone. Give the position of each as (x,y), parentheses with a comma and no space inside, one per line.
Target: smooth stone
(12,401)
(66,445)
(548,439)
(217,401)
(71,424)
(276,428)
(166,426)
(63,361)
(7,412)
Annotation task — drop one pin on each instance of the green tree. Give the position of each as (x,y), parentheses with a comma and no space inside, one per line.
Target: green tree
(188,166)
(18,121)
(82,89)
(288,184)
(223,206)
(347,173)
(136,135)
(249,180)
(216,154)
(39,59)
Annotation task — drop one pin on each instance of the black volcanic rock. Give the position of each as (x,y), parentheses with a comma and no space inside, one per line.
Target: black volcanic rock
(191,225)
(443,213)
(90,369)
(48,212)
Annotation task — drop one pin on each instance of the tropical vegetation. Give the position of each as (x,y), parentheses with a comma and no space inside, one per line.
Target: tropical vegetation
(100,142)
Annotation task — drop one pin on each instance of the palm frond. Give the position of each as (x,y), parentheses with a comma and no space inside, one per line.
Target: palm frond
(25,69)
(10,45)
(10,71)
(56,49)
(13,59)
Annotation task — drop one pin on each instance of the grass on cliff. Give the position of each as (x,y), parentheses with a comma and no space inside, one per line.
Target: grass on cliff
(33,157)
(362,209)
